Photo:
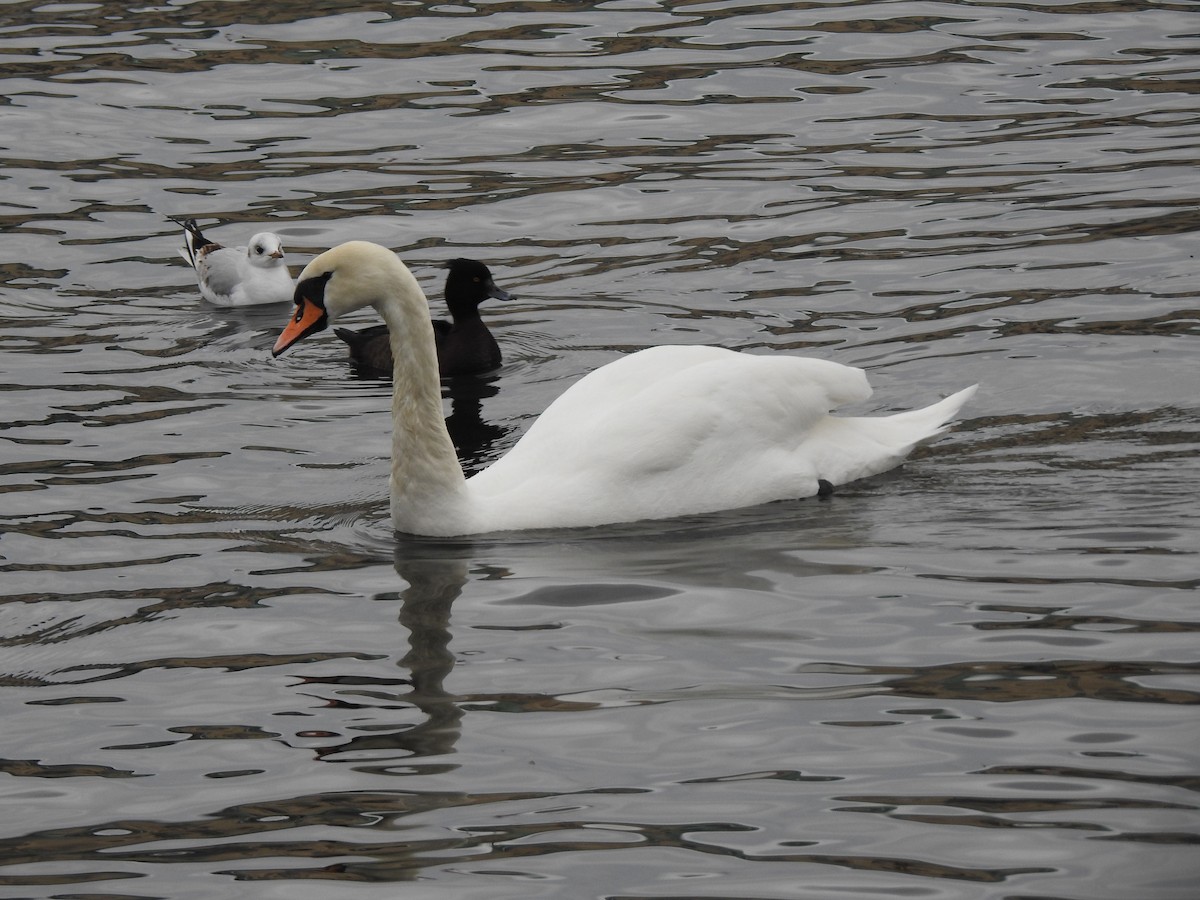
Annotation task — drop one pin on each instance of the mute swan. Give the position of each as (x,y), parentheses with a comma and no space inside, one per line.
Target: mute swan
(668,431)
(241,276)
(464,344)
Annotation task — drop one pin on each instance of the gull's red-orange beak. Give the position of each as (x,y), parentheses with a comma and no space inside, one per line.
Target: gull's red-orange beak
(309,318)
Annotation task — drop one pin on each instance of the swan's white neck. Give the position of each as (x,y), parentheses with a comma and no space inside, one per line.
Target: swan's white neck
(428,486)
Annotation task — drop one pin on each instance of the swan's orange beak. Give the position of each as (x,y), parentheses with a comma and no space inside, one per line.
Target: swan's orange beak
(309,318)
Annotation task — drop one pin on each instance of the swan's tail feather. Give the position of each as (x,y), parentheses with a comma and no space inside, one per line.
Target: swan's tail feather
(846,449)
(919,425)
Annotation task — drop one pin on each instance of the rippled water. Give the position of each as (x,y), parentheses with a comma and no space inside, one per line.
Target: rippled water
(972,678)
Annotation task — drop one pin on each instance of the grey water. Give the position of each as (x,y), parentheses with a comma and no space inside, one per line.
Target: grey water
(222,674)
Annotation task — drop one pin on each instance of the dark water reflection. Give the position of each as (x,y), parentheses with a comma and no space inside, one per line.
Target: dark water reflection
(972,678)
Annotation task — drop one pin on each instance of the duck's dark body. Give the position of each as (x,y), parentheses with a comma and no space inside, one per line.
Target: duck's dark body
(464,344)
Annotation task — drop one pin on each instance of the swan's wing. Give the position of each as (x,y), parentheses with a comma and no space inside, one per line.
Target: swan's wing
(672,393)
(676,430)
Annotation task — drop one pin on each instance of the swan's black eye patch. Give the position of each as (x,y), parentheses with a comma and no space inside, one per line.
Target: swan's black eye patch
(312,289)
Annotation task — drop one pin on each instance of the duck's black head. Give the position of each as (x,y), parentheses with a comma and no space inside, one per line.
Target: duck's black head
(468,283)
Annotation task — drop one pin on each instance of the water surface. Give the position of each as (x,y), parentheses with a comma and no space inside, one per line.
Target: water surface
(974,677)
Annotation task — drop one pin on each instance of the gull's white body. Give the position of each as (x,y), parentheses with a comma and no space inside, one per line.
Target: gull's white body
(239,276)
(664,432)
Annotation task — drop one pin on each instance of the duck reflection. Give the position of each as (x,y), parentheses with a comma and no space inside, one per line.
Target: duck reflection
(473,437)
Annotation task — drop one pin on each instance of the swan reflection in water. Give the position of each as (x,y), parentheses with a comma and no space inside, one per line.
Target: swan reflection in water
(435,573)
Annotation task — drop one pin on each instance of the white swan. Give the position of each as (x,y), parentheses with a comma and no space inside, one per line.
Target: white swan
(667,431)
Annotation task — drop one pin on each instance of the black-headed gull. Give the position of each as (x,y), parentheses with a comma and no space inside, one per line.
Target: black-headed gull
(241,276)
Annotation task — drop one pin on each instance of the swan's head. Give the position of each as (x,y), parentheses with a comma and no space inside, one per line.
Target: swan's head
(342,280)
(265,249)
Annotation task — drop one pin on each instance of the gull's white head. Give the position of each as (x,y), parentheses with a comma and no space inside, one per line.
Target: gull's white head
(265,249)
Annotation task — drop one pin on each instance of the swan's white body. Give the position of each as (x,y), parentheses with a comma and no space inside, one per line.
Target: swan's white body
(668,431)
